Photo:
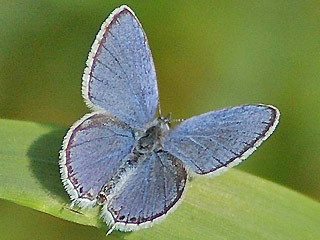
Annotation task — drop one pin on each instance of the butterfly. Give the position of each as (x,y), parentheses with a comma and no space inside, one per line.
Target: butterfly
(131,162)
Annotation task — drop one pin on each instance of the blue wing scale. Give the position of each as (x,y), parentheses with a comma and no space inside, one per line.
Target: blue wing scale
(120,77)
(223,138)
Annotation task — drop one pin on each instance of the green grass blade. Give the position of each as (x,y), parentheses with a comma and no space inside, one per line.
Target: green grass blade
(235,205)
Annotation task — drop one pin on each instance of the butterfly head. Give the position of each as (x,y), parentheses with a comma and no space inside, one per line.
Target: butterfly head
(167,119)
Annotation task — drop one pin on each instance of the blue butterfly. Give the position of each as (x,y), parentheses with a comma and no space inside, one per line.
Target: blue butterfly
(124,158)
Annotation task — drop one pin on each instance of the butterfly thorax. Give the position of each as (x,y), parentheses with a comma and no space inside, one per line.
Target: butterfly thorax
(152,137)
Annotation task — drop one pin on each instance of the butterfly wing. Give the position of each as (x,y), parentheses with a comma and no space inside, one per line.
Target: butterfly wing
(218,140)
(152,190)
(92,151)
(120,76)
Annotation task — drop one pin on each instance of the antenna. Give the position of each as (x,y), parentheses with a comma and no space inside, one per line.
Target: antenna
(159,109)
(178,120)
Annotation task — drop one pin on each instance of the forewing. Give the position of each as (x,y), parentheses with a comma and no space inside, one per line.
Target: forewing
(148,194)
(120,75)
(92,151)
(221,139)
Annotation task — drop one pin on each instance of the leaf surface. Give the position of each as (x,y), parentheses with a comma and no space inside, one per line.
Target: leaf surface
(236,205)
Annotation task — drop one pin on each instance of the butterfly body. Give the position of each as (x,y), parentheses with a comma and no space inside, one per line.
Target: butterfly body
(131,162)
(152,138)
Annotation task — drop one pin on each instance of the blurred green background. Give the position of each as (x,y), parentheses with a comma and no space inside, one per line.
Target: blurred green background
(208,55)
